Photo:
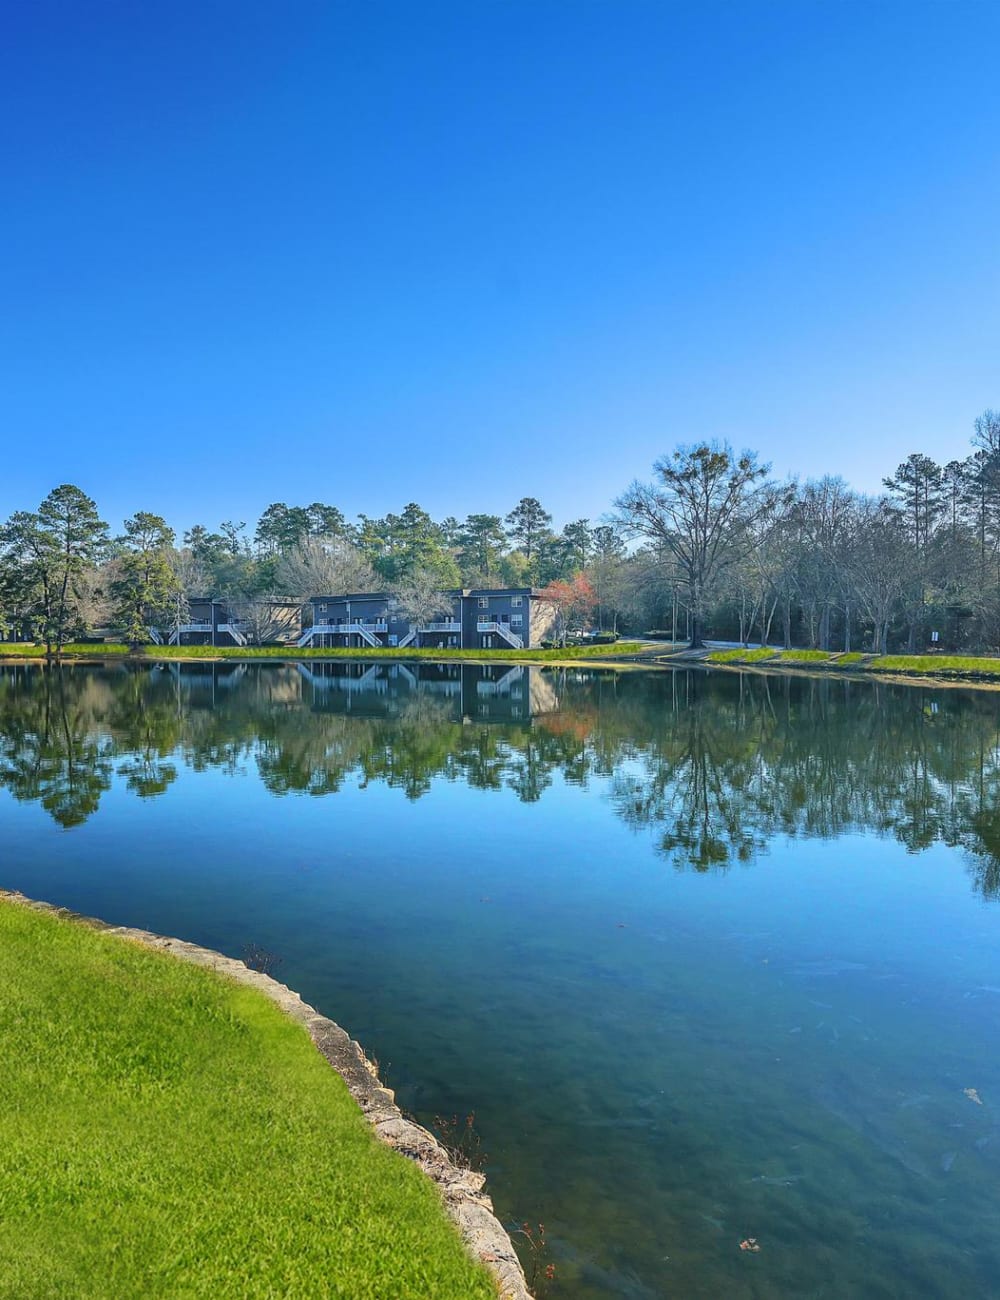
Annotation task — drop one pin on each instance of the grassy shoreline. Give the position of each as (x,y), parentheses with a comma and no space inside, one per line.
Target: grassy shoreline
(954,668)
(970,668)
(166,1131)
(14,651)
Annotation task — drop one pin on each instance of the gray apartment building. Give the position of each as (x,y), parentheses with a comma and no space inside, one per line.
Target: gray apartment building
(481,618)
(220,623)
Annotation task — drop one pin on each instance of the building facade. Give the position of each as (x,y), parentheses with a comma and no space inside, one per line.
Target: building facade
(486,618)
(223,623)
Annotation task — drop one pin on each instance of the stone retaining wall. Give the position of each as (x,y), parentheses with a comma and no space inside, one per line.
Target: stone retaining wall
(462,1189)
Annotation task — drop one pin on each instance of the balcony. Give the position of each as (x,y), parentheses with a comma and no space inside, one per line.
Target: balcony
(512,638)
(352,625)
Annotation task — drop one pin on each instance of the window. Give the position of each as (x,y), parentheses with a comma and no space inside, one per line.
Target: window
(322,609)
(484,602)
(515,602)
(516,620)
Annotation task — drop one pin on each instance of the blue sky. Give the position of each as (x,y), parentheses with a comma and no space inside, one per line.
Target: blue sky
(460,253)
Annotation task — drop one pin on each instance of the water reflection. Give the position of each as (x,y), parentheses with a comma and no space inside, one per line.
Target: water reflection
(662,1062)
(714,766)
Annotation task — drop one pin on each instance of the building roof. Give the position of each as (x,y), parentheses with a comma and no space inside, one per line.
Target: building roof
(454,592)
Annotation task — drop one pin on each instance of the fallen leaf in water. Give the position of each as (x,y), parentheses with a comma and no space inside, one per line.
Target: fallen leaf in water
(973,1095)
(750,1244)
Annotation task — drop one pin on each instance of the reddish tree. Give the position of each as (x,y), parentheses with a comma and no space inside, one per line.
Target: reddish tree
(574,602)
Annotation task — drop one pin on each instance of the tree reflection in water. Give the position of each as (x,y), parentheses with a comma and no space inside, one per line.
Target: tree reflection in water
(714,765)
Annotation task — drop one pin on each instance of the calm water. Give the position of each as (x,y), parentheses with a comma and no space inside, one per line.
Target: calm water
(709,956)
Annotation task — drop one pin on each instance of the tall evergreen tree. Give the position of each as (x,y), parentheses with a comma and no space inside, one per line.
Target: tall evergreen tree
(50,551)
(527,524)
(146,588)
(482,543)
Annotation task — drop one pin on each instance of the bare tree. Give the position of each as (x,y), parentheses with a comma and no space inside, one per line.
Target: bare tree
(708,508)
(420,600)
(821,524)
(882,565)
(323,566)
(263,620)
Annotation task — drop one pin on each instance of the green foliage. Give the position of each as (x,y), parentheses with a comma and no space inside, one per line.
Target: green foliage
(481,541)
(44,557)
(281,528)
(527,527)
(401,546)
(145,590)
(166,1132)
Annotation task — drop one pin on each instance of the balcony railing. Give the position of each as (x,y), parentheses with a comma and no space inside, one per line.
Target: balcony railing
(352,625)
(512,638)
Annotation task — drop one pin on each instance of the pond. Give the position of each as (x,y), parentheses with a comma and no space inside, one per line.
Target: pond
(710,957)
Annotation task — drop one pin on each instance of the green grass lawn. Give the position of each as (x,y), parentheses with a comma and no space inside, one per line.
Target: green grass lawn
(925,665)
(24,650)
(768,654)
(741,656)
(804,656)
(936,664)
(167,1133)
(21,650)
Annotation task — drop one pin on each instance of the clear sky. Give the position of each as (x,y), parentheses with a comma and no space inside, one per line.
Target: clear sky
(461,253)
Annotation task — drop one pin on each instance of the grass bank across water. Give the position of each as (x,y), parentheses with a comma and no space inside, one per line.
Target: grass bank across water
(947,666)
(166,1132)
(21,650)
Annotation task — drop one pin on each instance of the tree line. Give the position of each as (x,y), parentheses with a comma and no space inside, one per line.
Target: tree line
(711,545)
(818,564)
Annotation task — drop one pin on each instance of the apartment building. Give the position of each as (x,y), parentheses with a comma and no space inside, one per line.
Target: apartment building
(483,618)
(223,623)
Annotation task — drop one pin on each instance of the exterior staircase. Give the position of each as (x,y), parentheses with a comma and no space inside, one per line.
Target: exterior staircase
(503,630)
(365,631)
(234,631)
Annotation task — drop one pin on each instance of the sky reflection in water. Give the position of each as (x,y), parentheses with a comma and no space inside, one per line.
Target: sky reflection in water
(709,955)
